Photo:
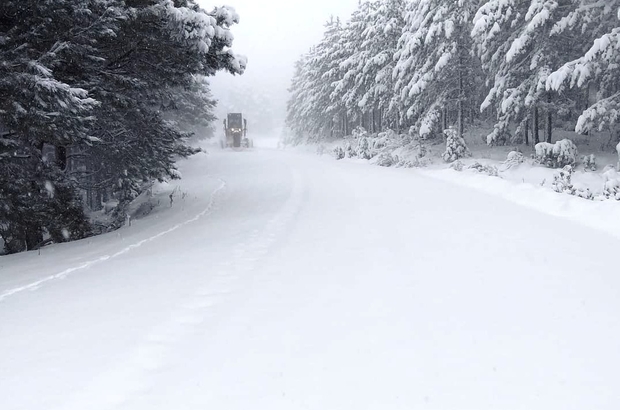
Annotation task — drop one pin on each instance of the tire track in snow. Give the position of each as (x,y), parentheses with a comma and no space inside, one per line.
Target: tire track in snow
(134,379)
(63,274)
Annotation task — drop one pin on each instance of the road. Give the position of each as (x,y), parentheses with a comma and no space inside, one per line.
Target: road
(278,280)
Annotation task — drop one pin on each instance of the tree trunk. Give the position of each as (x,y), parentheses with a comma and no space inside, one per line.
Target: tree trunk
(374,126)
(460,120)
(586,103)
(535,135)
(33,237)
(549,118)
(61,157)
(526,132)
(461,114)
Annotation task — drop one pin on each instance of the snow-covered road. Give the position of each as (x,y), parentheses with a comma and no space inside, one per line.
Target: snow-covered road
(284,281)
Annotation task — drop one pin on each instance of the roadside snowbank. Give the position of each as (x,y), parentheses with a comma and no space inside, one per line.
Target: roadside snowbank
(520,180)
(600,215)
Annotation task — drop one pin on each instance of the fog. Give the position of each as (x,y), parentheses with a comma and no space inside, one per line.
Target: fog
(272,34)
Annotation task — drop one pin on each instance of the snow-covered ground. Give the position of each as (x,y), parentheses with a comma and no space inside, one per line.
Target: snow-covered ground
(599,180)
(278,280)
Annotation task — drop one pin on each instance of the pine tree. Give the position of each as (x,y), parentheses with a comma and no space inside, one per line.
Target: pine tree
(381,39)
(597,69)
(434,70)
(369,42)
(330,54)
(158,47)
(296,104)
(513,40)
(89,79)
(35,105)
(313,111)
(352,85)
(39,108)
(191,108)
(37,199)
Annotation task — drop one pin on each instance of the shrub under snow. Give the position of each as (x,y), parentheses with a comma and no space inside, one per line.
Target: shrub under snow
(384,159)
(411,155)
(562,183)
(556,155)
(339,153)
(484,169)
(513,159)
(359,132)
(383,139)
(455,146)
(363,149)
(611,189)
(457,165)
(350,152)
(562,180)
(589,162)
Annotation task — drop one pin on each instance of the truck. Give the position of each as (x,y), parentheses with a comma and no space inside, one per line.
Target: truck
(235,130)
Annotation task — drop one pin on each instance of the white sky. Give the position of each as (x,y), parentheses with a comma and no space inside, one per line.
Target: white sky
(273,34)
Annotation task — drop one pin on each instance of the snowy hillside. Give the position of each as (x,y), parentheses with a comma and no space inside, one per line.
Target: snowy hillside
(290,281)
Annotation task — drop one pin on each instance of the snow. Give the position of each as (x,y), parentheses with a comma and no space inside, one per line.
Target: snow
(517,46)
(288,281)
(49,187)
(600,216)
(448,28)
(556,155)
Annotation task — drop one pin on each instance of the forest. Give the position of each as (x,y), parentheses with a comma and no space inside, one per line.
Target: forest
(525,67)
(98,99)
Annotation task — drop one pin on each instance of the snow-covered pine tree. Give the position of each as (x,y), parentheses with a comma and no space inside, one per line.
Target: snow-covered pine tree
(296,105)
(456,148)
(332,53)
(347,77)
(434,70)
(36,199)
(351,85)
(40,109)
(191,108)
(158,47)
(596,70)
(312,113)
(34,104)
(88,77)
(512,38)
(495,29)
(380,39)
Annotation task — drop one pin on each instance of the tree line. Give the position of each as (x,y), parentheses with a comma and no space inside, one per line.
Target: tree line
(97,100)
(421,66)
